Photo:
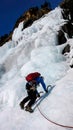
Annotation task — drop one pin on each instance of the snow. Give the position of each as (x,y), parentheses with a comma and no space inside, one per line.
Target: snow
(36,49)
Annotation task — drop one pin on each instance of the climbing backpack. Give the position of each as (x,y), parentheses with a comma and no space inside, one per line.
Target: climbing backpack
(32,76)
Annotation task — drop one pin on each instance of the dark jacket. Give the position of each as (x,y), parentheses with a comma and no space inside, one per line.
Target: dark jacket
(37,81)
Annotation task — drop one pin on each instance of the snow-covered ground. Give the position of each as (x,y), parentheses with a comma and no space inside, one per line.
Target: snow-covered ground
(36,49)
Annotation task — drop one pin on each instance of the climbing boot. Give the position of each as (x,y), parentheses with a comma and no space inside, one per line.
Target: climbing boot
(22,105)
(28,109)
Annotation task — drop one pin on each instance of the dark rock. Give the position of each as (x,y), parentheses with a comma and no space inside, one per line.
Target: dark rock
(61,37)
(27,23)
(71,66)
(67,6)
(5,38)
(68,28)
(66,49)
(34,14)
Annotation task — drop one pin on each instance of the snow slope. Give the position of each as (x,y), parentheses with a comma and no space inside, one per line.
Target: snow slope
(36,49)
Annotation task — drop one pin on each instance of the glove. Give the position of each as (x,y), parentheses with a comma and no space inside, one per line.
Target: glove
(38,95)
(46,91)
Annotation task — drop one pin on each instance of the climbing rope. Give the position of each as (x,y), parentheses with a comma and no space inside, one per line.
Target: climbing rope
(53,121)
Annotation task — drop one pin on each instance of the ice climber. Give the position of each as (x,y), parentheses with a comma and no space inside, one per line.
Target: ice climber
(33,80)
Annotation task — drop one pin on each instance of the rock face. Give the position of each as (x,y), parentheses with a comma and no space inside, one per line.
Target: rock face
(66,28)
(66,49)
(61,37)
(33,14)
(28,17)
(5,38)
(67,6)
